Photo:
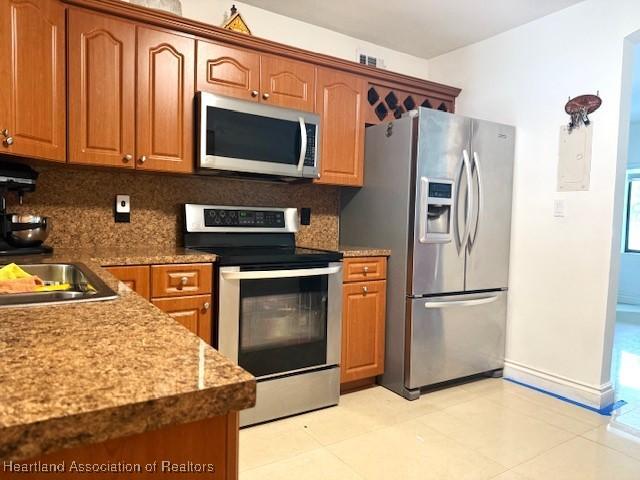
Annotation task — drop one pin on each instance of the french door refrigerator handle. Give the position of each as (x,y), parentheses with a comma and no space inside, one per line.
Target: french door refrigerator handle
(263,274)
(303,143)
(467,224)
(480,210)
(461,303)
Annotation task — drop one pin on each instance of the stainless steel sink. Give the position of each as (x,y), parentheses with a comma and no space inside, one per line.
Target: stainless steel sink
(85,285)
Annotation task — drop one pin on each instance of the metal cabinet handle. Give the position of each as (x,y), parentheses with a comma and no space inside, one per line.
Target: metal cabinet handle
(365,290)
(206,306)
(254,93)
(365,269)
(266,96)
(142,159)
(8,139)
(127,158)
(183,280)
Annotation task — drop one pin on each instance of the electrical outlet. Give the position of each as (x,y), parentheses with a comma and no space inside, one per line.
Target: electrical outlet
(558,208)
(122,213)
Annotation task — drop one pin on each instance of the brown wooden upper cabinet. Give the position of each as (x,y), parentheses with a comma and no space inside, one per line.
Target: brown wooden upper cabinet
(287,83)
(115,121)
(164,120)
(32,68)
(340,103)
(244,74)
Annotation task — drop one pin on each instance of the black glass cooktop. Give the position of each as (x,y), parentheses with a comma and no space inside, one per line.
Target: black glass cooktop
(269,255)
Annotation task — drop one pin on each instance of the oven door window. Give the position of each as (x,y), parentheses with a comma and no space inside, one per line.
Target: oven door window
(283,324)
(252,137)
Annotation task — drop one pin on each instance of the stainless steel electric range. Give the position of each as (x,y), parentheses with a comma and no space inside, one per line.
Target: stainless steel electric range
(279,307)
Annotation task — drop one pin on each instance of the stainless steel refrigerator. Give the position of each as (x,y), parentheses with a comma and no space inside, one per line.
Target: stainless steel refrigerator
(438,194)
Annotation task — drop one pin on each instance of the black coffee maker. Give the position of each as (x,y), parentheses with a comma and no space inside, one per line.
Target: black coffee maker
(20,234)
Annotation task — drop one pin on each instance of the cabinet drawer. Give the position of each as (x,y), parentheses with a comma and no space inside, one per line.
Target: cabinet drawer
(135,277)
(361,269)
(192,312)
(180,280)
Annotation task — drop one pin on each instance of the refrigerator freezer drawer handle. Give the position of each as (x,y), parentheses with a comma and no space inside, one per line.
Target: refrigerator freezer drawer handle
(302,272)
(461,303)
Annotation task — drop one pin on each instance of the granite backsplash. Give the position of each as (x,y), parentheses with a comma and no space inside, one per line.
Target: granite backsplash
(79,201)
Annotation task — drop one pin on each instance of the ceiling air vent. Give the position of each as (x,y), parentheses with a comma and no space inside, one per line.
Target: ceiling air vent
(369,60)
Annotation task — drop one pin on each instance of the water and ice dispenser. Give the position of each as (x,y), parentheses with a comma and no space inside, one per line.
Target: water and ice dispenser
(436,210)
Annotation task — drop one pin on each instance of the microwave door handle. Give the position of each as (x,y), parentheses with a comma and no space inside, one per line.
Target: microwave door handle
(260,274)
(303,143)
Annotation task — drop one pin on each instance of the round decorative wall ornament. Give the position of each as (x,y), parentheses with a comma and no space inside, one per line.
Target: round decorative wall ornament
(579,108)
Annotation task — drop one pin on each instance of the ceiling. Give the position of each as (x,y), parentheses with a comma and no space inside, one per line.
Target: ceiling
(424,28)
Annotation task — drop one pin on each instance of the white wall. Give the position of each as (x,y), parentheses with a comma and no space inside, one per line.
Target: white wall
(293,32)
(561,268)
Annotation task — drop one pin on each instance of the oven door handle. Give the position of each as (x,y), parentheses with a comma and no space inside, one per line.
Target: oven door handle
(262,274)
(303,143)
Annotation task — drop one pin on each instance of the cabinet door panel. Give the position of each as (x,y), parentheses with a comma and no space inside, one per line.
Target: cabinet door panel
(192,312)
(165,70)
(363,326)
(287,83)
(101,90)
(341,107)
(228,71)
(136,277)
(32,66)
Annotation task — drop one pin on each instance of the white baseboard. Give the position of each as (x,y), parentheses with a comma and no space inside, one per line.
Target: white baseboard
(591,395)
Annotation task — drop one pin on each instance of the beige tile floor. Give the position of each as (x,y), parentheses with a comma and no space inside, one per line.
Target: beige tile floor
(489,429)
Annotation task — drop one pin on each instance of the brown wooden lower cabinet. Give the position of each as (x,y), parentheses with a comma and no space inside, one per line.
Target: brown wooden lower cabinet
(193,312)
(363,329)
(213,441)
(136,277)
(161,284)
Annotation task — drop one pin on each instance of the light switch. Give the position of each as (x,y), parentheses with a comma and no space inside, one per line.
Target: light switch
(558,208)
(122,212)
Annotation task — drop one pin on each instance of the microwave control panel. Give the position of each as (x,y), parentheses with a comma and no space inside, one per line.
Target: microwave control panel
(220,217)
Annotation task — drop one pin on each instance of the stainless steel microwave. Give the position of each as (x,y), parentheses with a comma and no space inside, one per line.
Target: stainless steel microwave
(238,136)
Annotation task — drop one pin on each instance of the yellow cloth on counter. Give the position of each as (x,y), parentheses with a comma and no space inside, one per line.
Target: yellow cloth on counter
(53,288)
(13,272)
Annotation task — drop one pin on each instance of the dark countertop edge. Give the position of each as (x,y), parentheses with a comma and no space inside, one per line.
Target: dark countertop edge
(133,419)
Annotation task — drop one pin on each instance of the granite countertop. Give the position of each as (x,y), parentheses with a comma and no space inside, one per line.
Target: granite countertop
(107,256)
(351,251)
(88,372)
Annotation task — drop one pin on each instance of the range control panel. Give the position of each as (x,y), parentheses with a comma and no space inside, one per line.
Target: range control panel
(220,217)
